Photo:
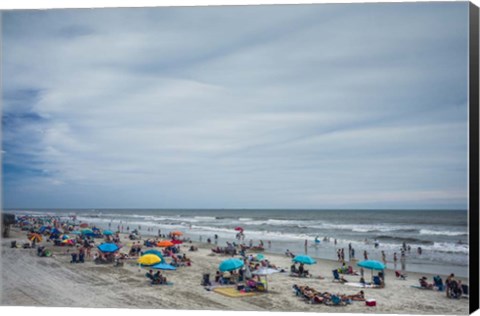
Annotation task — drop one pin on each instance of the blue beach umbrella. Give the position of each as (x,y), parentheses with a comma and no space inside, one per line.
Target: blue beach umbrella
(108,247)
(75,232)
(371,264)
(107,232)
(304,259)
(260,256)
(230,265)
(154,252)
(163,266)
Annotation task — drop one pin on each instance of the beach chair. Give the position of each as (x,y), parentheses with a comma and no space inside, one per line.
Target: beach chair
(260,287)
(465,291)
(335,301)
(336,277)
(377,281)
(206,280)
(437,280)
(400,275)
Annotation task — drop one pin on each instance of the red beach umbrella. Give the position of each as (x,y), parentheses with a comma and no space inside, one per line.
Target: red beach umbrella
(239,228)
(176,242)
(83,225)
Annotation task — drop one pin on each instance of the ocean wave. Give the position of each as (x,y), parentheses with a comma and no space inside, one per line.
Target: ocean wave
(408,240)
(445,233)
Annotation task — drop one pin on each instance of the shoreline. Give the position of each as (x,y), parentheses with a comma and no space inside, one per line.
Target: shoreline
(34,281)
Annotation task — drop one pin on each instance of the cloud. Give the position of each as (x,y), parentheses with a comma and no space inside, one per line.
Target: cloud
(266,106)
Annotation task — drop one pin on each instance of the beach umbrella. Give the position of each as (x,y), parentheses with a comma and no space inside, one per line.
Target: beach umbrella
(238,228)
(87,232)
(64,236)
(165,243)
(176,242)
(265,272)
(56,231)
(68,241)
(230,265)
(163,266)
(304,259)
(260,257)
(154,252)
(149,260)
(35,236)
(176,233)
(372,265)
(83,225)
(76,232)
(107,232)
(108,247)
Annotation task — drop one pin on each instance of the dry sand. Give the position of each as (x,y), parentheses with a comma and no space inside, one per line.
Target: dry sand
(29,280)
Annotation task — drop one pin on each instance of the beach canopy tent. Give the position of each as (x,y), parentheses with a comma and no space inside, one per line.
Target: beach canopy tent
(165,243)
(163,266)
(149,260)
(154,252)
(230,265)
(108,247)
(264,271)
(107,232)
(304,259)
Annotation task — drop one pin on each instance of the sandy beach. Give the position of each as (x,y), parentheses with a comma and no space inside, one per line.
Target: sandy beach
(30,280)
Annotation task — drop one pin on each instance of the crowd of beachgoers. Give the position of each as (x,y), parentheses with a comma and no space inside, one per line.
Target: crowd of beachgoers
(244,270)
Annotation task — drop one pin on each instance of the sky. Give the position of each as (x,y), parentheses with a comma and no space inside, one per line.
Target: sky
(301,106)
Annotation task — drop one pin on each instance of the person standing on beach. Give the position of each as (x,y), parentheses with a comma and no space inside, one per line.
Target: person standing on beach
(395,258)
(365,255)
(306,245)
(269,244)
(384,258)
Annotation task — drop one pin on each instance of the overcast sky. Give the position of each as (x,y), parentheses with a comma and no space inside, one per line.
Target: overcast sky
(311,106)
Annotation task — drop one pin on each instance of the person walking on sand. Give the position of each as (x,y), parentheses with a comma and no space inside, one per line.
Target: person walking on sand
(384,258)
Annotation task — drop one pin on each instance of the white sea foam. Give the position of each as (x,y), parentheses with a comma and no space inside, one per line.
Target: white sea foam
(445,233)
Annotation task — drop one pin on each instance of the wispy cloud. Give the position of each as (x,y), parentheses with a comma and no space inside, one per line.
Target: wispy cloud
(267,106)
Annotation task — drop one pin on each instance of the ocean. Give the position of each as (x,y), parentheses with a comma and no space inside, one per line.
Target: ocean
(442,235)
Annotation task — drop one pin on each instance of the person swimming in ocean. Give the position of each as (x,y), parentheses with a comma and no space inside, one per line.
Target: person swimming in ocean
(317,240)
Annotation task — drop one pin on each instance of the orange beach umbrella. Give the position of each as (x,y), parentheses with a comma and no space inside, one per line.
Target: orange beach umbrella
(35,236)
(164,243)
(176,233)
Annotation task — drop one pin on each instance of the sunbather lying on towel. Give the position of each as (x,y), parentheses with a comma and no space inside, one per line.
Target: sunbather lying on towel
(360,296)
(424,283)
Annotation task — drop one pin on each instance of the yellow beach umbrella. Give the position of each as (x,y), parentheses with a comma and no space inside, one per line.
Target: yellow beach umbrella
(149,259)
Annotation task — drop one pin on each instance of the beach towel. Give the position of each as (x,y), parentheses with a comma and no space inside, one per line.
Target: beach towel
(168,283)
(421,287)
(363,285)
(233,292)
